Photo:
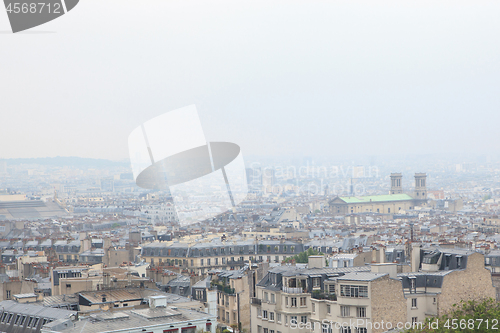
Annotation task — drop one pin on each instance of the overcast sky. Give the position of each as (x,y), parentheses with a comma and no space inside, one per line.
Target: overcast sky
(276,77)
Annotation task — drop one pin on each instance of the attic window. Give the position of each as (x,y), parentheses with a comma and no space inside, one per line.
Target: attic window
(413,284)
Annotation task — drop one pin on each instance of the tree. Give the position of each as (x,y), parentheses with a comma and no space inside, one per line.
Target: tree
(468,316)
(303,257)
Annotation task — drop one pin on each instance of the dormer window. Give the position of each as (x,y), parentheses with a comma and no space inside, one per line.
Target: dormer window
(459,261)
(413,284)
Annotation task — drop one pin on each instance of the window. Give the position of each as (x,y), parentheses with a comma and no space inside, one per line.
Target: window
(413,302)
(313,307)
(361,330)
(22,320)
(273,298)
(316,282)
(434,300)
(294,302)
(459,261)
(412,285)
(278,317)
(271,331)
(293,319)
(326,328)
(271,316)
(264,314)
(208,262)
(36,322)
(266,330)
(331,289)
(17,319)
(345,329)
(303,319)
(354,291)
(30,320)
(302,301)
(216,261)
(192,262)
(4,316)
(344,311)
(328,308)
(68,285)
(7,294)
(9,319)
(414,320)
(266,297)
(201,262)
(286,301)
(361,312)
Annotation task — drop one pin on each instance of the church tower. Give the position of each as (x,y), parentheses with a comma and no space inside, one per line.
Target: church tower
(396,187)
(420,186)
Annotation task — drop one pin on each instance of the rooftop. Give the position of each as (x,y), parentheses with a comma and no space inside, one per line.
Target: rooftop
(377,198)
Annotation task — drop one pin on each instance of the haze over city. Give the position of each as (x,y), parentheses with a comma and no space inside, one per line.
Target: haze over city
(249,166)
(281,78)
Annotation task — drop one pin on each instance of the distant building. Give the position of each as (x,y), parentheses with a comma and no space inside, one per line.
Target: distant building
(392,203)
(17,317)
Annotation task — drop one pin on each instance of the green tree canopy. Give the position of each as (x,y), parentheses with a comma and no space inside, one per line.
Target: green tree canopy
(469,316)
(303,257)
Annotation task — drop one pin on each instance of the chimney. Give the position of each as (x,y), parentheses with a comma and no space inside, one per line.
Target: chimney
(316,262)
(390,268)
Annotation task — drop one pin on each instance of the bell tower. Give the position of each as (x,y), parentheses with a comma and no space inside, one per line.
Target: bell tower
(420,186)
(396,187)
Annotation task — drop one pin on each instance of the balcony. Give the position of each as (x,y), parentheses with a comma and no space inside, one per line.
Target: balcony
(256,301)
(319,295)
(223,288)
(293,290)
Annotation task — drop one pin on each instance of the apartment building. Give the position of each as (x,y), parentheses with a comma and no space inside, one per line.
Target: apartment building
(446,277)
(360,299)
(233,298)
(199,258)
(284,297)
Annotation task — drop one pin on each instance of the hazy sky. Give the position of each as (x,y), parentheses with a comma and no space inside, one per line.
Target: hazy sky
(276,77)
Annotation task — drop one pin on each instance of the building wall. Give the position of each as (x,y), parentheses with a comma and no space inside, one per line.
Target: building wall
(8,289)
(114,258)
(472,283)
(388,302)
(362,259)
(377,207)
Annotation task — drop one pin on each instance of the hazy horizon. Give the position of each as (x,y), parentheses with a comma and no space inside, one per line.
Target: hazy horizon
(281,78)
